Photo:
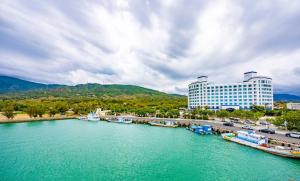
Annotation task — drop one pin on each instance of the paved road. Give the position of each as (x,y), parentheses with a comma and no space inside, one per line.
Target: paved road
(219,124)
(276,136)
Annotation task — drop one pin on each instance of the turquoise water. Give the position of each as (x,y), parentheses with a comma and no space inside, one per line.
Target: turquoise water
(80,150)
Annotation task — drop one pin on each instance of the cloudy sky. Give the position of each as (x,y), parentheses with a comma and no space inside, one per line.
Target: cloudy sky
(159,44)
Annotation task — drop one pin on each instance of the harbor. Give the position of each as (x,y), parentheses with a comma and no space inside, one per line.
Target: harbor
(85,150)
(218,128)
(244,137)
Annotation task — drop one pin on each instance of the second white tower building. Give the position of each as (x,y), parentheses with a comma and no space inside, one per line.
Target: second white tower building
(254,90)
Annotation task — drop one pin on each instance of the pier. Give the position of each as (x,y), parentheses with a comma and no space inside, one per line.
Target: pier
(276,139)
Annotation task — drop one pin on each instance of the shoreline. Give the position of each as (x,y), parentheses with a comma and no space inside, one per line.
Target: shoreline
(280,139)
(36,119)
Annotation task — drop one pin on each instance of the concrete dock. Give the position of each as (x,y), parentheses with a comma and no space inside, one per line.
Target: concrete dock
(276,138)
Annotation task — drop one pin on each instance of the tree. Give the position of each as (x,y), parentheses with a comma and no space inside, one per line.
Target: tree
(222,114)
(238,114)
(32,111)
(61,107)
(41,110)
(76,108)
(52,111)
(292,118)
(8,111)
(256,108)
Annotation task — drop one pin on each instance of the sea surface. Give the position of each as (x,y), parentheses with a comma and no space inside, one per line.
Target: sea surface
(81,150)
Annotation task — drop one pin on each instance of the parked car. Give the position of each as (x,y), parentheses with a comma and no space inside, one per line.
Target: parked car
(249,122)
(293,135)
(247,127)
(264,123)
(267,130)
(228,124)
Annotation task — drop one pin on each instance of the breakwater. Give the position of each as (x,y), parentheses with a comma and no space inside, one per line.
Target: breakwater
(275,139)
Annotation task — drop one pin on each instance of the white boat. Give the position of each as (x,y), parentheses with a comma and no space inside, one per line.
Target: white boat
(260,142)
(93,117)
(169,124)
(120,120)
(82,118)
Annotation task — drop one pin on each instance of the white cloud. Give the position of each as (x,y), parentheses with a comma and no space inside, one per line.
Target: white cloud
(159,44)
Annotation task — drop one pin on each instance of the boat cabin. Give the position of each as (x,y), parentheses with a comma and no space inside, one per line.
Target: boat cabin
(252,137)
(207,129)
(169,123)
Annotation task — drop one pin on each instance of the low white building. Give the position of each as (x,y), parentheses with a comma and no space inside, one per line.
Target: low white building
(100,112)
(293,106)
(254,90)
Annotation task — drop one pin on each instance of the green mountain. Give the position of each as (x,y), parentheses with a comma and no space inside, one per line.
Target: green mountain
(16,88)
(11,84)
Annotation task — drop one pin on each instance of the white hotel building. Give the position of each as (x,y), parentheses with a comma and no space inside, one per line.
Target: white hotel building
(254,90)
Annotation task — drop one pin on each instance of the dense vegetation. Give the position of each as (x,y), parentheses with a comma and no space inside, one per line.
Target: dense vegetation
(164,106)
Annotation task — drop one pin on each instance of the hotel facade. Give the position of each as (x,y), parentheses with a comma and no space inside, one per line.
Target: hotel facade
(254,90)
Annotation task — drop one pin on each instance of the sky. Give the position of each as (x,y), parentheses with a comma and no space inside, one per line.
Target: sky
(163,45)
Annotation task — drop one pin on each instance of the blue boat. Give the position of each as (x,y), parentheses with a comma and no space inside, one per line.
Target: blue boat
(205,129)
(199,130)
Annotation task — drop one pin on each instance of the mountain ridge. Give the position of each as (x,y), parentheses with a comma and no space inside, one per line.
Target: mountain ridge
(15,87)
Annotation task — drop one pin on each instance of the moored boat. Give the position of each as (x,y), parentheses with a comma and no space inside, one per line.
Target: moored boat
(260,142)
(169,124)
(120,120)
(92,117)
(205,129)
(82,118)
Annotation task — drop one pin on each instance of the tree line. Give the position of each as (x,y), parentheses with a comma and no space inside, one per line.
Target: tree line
(164,107)
(140,106)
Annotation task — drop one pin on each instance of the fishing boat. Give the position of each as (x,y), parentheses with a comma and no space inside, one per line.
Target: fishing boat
(169,124)
(120,120)
(93,117)
(260,142)
(205,129)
